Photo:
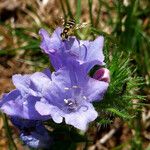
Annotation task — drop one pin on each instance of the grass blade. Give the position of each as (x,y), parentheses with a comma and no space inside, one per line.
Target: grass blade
(63,9)
(78,11)
(90,2)
(98,14)
(12,145)
(69,9)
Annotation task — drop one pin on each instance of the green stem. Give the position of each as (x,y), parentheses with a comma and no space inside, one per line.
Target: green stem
(78,12)
(69,9)
(98,14)
(135,7)
(90,2)
(137,141)
(63,9)
(12,145)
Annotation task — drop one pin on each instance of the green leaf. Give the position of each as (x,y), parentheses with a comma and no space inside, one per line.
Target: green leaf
(119,113)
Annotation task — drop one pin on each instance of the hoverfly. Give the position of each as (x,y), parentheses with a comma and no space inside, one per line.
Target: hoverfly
(69,27)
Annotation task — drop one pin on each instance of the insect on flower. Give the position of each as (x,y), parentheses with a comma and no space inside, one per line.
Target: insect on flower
(69,27)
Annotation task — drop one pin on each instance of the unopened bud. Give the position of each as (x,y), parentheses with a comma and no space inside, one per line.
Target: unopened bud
(102,74)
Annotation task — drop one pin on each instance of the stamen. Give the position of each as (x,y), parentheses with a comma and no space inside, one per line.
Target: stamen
(83,107)
(25,103)
(66,88)
(66,101)
(75,87)
(69,102)
(84,97)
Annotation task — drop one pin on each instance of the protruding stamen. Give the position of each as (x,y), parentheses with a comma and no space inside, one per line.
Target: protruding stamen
(69,102)
(84,108)
(25,103)
(66,88)
(66,101)
(84,97)
(75,87)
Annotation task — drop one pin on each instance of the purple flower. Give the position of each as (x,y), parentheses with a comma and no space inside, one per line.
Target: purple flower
(33,133)
(67,93)
(21,101)
(87,53)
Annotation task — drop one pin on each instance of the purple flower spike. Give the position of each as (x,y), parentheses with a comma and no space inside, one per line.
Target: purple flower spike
(87,53)
(102,74)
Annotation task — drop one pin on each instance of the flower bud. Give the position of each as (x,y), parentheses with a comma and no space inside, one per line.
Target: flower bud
(102,74)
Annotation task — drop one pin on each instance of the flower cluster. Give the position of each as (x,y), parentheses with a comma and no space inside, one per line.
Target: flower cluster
(68,92)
